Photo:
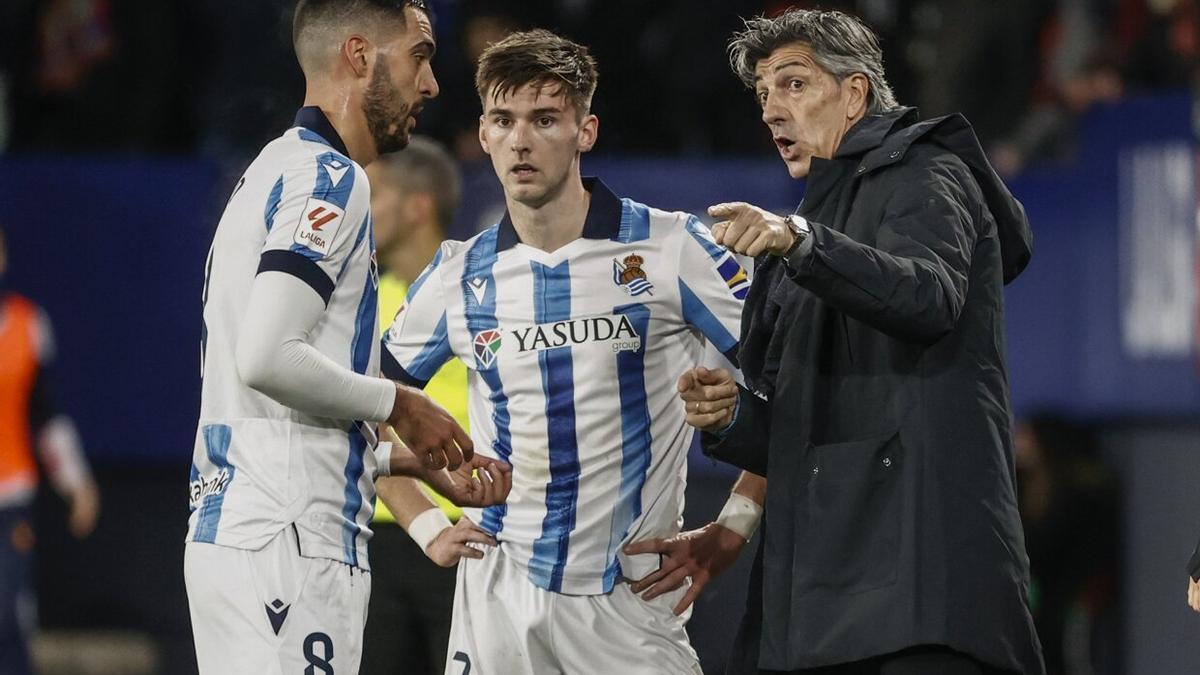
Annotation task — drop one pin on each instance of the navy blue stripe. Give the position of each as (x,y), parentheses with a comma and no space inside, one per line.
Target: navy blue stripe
(635,437)
(552,302)
(394,371)
(299,266)
(367,318)
(353,495)
(216,444)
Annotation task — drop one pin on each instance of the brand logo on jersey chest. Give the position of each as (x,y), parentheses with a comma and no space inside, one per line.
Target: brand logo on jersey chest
(486,344)
(617,330)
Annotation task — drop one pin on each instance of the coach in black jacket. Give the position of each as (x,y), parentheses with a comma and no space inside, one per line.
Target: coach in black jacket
(873,335)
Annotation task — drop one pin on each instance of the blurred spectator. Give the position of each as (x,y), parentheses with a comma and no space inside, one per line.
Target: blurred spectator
(1070,505)
(30,421)
(414,194)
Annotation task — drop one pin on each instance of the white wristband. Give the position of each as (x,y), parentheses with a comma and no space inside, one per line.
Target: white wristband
(740,514)
(383,459)
(427,526)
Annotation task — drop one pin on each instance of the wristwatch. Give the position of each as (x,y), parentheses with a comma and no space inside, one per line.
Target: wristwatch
(800,230)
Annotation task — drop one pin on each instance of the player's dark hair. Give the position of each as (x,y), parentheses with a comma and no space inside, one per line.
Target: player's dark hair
(542,58)
(315,16)
(841,44)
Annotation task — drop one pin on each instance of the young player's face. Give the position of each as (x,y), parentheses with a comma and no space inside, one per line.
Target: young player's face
(807,110)
(534,136)
(401,82)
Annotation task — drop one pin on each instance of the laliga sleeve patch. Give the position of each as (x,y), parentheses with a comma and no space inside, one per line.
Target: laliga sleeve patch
(319,223)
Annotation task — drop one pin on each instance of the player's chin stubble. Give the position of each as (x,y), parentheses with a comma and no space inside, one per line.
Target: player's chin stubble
(386,112)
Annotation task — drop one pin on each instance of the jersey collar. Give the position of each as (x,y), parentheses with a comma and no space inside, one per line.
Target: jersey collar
(603,218)
(310,117)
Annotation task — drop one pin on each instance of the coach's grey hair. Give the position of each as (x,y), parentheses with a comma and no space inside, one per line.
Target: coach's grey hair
(425,166)
(841,44)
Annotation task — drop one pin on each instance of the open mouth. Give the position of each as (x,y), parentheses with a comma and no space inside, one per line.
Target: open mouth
(786,146)
(524,170)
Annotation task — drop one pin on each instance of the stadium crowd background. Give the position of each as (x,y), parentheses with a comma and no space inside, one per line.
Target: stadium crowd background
(124,124)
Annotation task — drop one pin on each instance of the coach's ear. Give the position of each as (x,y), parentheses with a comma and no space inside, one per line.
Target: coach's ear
(483,137)
(589,130)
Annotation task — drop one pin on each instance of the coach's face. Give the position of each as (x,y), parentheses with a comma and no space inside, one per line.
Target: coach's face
(807,110)
(400,83)
(534,136)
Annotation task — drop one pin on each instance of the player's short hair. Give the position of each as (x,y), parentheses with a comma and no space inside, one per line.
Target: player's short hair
(425,167)
(542,58)
(841,44)
(314,20)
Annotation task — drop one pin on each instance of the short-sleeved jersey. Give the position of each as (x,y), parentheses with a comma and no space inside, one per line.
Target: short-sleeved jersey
(573,359)
(302,208)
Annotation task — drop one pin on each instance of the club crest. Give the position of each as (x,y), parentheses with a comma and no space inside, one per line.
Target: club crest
(630,276)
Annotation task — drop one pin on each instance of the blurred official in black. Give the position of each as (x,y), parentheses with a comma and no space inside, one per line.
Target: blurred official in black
(873,343)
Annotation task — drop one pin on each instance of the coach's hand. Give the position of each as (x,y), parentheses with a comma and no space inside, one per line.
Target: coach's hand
(709,398)
(479,481)
(428,430)
(452,543)
(700,554)
(746,229)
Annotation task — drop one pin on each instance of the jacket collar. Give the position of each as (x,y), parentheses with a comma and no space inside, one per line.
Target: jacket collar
(603,217)
(311,118)
(870,132)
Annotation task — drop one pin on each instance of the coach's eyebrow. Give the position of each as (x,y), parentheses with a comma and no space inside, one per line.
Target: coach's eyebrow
(781,66)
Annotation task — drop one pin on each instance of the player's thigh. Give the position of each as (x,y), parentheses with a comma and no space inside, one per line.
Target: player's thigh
(491,632)
(273,611)
(622,633)
(227,621)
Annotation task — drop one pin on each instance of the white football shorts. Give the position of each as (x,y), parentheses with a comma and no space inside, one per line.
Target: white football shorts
(273,611)
(505,625)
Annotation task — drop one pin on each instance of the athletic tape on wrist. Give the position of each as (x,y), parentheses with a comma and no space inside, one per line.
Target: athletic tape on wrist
(383,459)
(740,514)
(427,526)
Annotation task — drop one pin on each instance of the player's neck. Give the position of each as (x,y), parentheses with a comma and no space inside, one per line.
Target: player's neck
(406,259)
(554,223)
(348,121)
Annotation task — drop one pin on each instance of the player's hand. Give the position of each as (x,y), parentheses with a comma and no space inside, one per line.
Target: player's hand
(479,481)
(1194,594)
(85,509)
(700,554)
(709,398)
(747,229)
(428,430)
(451,544)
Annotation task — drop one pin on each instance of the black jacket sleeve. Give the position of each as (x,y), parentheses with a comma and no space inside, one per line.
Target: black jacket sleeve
(912,284)
(745,444)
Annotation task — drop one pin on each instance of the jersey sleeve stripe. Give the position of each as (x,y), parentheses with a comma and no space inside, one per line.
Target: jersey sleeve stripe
(273,202)
(300,266)
(635,438)
(433,355)
(697,314)
(705,239)
(420,281)
(635,222)
(392,369)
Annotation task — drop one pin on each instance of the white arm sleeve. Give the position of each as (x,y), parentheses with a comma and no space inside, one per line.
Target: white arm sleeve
(274,357)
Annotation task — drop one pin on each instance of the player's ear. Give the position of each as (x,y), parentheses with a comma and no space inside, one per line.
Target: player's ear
(589,130)
(357,53)
(483,141)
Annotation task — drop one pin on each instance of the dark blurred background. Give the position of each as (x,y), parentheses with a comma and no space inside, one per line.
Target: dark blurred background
(125,123)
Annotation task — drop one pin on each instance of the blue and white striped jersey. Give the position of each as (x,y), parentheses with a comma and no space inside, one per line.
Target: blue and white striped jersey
(573,359)
(301,208)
